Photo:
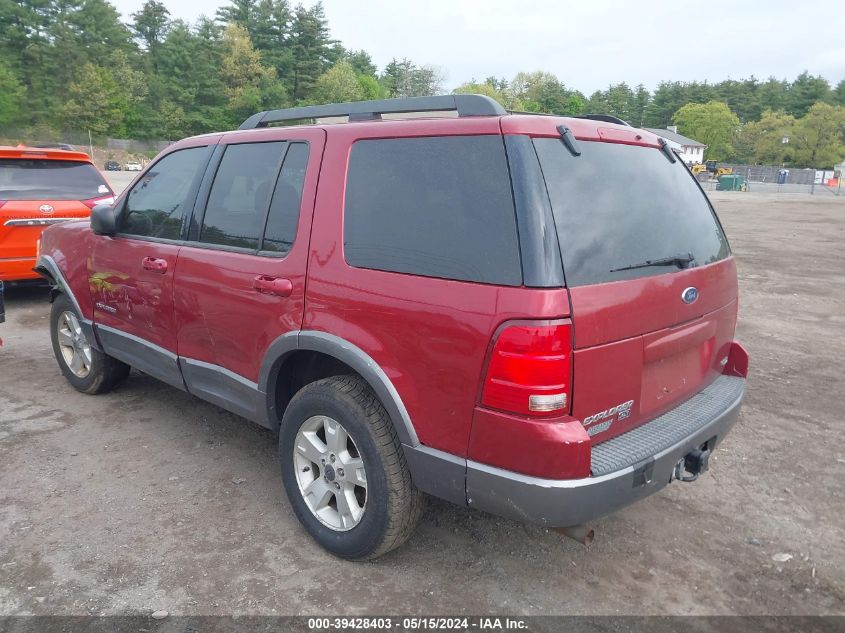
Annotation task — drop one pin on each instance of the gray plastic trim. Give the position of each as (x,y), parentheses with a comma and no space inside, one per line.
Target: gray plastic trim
(668,429)
(438,473)
(142,355)
(349,354)
(224,388)
(561,503)
(46,266)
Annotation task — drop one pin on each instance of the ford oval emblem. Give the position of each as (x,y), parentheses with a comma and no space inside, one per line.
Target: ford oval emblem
(689,295)
(46,209)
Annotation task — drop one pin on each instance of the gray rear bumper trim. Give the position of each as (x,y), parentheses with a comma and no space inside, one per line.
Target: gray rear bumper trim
(557,503)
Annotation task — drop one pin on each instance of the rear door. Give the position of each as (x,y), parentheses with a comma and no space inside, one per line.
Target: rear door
(131,274)
(652,284)
(240,279)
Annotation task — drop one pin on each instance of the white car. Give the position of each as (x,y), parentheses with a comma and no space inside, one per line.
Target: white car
(132,166)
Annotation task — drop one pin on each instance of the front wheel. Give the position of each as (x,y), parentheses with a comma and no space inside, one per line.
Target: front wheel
(87,369)
(344,470)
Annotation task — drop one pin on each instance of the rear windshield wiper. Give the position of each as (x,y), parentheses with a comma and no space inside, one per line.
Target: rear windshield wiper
(667,151)
(568,139)
(681,261)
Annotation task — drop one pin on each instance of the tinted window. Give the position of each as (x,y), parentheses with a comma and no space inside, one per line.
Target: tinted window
(621,205)
(28,179)
(439,207)
(284,208)
(157,205)
(238,201)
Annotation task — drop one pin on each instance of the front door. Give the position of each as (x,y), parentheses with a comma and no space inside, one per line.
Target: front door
(131,274)
(240,278)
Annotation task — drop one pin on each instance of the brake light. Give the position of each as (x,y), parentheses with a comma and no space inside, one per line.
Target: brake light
(530,369)
(93,202)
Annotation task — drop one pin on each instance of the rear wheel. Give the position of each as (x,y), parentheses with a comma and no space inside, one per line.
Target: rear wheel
(87,369)
(344,470)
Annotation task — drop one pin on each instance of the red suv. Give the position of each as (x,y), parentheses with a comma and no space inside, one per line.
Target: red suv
(529,315)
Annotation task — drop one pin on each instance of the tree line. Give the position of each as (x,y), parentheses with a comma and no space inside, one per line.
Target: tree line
(74,65)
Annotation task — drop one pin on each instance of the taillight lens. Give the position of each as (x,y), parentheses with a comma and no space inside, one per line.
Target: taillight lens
(530,370)
(93,202)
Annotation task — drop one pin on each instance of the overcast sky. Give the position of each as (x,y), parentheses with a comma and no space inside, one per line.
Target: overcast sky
(588,45)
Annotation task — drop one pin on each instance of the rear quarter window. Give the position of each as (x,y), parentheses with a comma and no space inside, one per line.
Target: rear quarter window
(433,206)
(619,205)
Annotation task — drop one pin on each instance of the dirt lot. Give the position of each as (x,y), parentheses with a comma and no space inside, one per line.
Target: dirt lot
(149,499)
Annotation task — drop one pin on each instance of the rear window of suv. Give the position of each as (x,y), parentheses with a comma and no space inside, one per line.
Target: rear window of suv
(432,206)
(38,179)
(618,206)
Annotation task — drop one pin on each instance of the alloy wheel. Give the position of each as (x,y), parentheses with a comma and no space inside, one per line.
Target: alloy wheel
(75,349)
(330,473)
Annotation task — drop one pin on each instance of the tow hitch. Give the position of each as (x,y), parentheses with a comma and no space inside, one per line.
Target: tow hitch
(693,464)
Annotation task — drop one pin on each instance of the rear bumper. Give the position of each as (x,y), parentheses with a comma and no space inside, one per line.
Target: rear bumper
(625,469)
(18,269)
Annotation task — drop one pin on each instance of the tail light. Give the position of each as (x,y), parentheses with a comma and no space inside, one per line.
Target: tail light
(93,202)
(530,369)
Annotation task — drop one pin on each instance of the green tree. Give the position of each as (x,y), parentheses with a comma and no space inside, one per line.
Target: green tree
(773,94)
(804,92)
(361,62)
(151,24)
(406,79)
(762,142)
(741,96)
(338,84)
(710,123)
(312,50)
(249,84)
(839,93)
(11,97)
(371,88)
(818,137)
(494,89)
(543,92)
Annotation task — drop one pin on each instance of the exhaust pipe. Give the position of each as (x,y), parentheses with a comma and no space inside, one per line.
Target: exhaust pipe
(584,534)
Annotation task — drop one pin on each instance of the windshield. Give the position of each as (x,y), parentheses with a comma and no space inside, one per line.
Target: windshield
(34,179)
(624,211)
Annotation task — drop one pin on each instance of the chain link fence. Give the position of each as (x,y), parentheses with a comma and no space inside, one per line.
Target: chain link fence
(774,179)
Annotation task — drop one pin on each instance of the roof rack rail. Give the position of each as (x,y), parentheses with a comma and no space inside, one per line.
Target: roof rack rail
(464,105)
(607,118)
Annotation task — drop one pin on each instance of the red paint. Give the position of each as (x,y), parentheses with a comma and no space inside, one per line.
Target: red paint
(557,448)
(223,315)
(630,340)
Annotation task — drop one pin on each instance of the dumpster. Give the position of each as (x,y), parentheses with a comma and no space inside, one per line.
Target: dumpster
(731,182)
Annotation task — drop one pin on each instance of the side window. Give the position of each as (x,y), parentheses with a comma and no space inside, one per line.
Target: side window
(287,198)
(438,207)
(238,200)
(157,205)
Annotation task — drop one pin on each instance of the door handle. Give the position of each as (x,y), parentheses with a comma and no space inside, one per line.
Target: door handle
(155,265)
(266,284)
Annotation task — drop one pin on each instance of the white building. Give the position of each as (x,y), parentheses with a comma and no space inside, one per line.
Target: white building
(689,150)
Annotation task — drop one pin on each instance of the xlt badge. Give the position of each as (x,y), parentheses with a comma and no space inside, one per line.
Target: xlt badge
(603,420)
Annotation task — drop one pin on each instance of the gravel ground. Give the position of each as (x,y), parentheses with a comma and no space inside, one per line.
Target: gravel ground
(149,499)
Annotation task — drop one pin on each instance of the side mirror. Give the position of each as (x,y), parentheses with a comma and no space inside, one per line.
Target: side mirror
(103,220)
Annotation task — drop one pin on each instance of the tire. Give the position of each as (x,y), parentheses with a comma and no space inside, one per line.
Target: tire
(390,506)
(98,372)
